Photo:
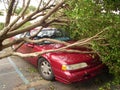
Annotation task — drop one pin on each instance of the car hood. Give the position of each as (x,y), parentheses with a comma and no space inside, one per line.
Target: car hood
(71,58)
(68,58)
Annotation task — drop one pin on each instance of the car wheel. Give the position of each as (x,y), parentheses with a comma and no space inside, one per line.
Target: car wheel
(45,69)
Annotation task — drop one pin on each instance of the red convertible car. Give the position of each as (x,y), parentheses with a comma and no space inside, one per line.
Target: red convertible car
(62,66)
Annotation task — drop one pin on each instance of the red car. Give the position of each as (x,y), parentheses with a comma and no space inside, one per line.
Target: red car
(62,66)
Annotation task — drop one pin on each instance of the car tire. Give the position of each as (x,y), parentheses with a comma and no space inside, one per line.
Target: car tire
(45,69)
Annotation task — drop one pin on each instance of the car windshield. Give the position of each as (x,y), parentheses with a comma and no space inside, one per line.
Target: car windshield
(53,33)
(50,33)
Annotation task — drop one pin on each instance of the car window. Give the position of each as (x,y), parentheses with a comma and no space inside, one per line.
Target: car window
(47,33)
(50,33)
(22,35)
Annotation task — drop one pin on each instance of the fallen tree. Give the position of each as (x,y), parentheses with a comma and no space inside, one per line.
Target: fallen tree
(13,28)
(81,43)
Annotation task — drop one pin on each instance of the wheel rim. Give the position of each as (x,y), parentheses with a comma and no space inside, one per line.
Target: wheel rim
(46,69)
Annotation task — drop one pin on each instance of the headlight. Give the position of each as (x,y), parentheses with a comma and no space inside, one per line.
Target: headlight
(74,66)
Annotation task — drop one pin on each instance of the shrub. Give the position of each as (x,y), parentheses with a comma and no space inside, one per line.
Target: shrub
(86,19)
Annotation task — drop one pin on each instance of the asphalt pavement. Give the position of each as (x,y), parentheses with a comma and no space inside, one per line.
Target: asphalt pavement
(18,74)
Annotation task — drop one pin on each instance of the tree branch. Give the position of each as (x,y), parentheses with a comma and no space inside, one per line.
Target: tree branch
(38,15)
(19,40)
(13,24)
(9,12)
(62,49)
(9,27)
(45,39)
(8,17)
(48,51)
(40,23)
(15,6)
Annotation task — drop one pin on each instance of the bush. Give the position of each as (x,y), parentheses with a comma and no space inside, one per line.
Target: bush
(86,19)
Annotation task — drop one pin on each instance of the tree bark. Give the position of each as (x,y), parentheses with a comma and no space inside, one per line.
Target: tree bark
(9,12)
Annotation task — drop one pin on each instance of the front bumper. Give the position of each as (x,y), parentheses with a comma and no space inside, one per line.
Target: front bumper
(70,77)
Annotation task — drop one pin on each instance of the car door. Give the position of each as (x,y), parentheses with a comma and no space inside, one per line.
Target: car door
(25,49)
(31,48)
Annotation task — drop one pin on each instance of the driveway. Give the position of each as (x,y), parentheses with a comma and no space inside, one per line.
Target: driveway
(17,74)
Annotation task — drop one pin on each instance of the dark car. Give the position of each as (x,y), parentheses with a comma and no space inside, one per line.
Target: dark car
(66,67)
